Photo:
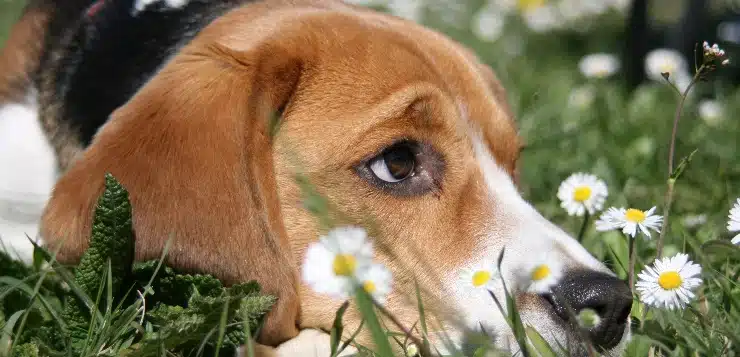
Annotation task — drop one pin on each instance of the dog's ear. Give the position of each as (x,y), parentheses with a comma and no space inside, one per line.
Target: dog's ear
(193,148)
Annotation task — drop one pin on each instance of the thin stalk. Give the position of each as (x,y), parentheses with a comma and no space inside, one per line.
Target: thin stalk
(582,232)
(423,349)
(671,158)
(666,212)
(633,260)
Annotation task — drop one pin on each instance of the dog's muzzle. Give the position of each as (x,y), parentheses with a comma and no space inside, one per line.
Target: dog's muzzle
(608,296)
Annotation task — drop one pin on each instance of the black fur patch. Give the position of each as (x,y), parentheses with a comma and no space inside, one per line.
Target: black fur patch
(109,53)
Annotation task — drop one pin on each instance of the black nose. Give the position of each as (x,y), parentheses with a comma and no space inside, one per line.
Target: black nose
(608,296)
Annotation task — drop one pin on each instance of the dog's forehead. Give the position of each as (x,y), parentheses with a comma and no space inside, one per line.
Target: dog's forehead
(363,62)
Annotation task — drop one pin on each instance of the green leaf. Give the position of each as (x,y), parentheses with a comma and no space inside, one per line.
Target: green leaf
(337,329)
(111,239)
(540,344)
(26,350)
(682,166)
(422,317)
(720,250)
(380,339)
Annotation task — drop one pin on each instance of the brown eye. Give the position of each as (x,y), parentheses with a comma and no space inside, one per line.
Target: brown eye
(395,164)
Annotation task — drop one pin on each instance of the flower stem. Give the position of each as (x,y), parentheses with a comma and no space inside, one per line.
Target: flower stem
(633,260)
(671,158)
(666,212)
(423,350)
(582,232)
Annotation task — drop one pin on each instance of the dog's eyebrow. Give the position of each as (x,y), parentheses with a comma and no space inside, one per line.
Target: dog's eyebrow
(419,105)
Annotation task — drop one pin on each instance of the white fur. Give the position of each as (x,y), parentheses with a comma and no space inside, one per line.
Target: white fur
(27,174)
(175,4)
(516,226)
(311,343)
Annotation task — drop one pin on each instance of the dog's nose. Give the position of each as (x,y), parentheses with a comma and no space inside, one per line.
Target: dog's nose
(608,296)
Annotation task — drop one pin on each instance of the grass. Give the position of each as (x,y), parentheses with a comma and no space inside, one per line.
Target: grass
(624,138)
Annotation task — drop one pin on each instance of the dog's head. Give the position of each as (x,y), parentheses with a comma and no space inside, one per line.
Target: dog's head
(385,118)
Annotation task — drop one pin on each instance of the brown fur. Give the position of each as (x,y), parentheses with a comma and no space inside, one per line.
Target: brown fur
(194,151)
(20,55)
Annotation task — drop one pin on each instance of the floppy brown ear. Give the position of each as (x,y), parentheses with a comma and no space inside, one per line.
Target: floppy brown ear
(193,149)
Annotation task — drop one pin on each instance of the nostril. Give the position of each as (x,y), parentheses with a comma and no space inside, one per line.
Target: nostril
(606,295)
(624,313)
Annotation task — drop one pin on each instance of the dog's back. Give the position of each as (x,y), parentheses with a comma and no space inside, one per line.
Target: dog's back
(98,53)
(65,67)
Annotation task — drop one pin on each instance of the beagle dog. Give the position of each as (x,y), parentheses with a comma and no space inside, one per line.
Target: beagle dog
(390,121)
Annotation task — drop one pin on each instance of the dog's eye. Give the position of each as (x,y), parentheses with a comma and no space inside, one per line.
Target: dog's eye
(406,168)
(394,164)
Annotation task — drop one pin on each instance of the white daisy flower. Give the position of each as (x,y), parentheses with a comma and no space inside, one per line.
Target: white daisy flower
(332,263)
(598,65)
(540,276)
(711,111)
(669,283)
(376,279)
(733,225)
(694,220)
(713,52)
(407,9)
(529,5)
(542,18)
(665,60)
(488,24)
(581,97)
(582,192)
(628,220)
(482,276)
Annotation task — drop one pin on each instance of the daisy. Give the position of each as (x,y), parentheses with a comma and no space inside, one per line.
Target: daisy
(480,277)
(713,52)
(332,263)
(598,65)
(694,220)
(733,225)
(710,111)
(488,24)
(407,9)
(664,60)
(541,18)
(582,192)
(669,283)
(376,280)
(581,97)
(629,220)
(541,276)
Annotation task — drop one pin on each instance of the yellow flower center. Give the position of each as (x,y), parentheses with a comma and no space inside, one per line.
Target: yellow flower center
(541,272)
(481,277)
(670,280)
(344,264)
(527,5)
(369,286)
(581,194)
(667,67)
(634,215)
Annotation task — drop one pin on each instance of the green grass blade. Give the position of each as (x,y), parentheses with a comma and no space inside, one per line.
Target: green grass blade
(366,307)
(337,329)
